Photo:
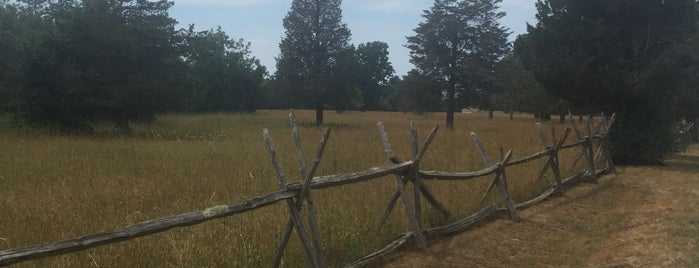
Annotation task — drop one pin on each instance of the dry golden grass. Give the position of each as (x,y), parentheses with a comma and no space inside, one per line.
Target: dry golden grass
(57,187)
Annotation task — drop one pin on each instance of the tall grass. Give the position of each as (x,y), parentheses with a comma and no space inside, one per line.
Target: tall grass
(55,187)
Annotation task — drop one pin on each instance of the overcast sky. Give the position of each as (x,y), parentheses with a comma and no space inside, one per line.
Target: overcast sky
(260,22)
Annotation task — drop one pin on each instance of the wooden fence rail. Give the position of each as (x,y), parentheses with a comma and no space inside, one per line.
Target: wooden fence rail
(298,193)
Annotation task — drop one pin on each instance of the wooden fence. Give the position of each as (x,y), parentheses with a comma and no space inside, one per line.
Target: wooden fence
(295,194)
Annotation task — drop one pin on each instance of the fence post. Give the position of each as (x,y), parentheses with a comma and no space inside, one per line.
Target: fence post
(590,149)
(499,178)
(415,174)
(421,186)
(300,230)
(400,187)
(307,175)
(552,162)
(605,144)
(578,136)
(555,164)
(542,136)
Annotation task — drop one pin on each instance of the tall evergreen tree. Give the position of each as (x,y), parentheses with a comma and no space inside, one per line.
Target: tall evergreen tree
(309,62)
(615,56)
(460,43)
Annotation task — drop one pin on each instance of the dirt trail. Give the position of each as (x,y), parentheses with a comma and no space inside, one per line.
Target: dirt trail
(642,217)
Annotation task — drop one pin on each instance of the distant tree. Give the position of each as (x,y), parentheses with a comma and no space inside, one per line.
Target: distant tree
(15,26)
(615,56)
(344,91)
(375,74)
(309,61)
(416,93)
(519,91)
(460,43)
(391,100)
(223,74)
(96,60)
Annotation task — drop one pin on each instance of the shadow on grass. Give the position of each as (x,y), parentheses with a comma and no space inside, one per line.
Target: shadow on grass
(567,199)
(687,163)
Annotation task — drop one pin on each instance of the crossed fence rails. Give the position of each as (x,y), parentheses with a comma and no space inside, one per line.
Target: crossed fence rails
(298,193)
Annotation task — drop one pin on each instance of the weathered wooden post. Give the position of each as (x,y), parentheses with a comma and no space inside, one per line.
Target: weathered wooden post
(400,187)
(296,218)
(578,136)
(499,178)
(556,167)
(586,150)
(605,144)
(420,185)
(415,174)
(552,161)
(590,149)
(305,194)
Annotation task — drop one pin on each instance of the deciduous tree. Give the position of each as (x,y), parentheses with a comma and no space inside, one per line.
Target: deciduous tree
(223,75)
(96,60)
(375,74)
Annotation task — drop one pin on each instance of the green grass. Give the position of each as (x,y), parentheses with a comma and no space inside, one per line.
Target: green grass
(56,186)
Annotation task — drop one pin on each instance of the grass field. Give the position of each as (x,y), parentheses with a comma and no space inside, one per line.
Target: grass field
(55,187)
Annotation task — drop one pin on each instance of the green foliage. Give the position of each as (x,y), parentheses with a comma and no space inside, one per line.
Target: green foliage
(416,93)
(459,43)
(223,76)
(93,60)
(75,64)
(345,95)
(519,91)
(19,37)
(642,145)
(376,71)
(686,55)
(313,55)
(615,56)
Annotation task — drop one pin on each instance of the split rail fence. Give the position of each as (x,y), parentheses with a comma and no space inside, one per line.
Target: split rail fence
(297,194)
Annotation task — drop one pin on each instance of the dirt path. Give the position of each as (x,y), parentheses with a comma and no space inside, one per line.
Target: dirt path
(643,217)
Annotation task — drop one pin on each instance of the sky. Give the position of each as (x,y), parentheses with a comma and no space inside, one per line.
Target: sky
(259,22)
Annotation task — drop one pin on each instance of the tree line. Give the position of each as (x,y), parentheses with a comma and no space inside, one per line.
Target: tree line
(73,63)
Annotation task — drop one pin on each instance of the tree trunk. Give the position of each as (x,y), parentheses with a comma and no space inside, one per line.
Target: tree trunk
(512,114)
(562,118)
(319,114)
(490,114)
(451,91)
